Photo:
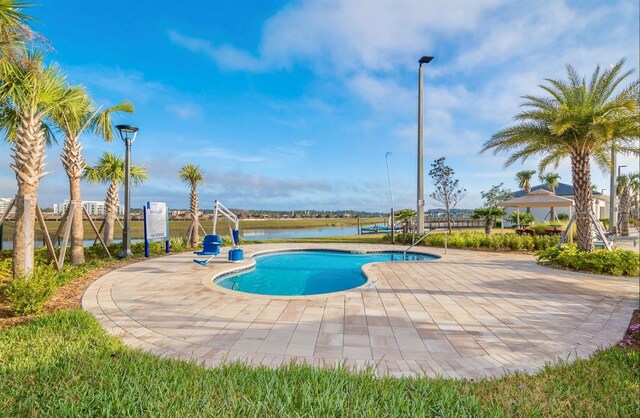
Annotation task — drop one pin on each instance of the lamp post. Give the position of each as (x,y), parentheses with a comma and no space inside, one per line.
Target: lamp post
(620,167)
(128,134)
(420,205)
(393,230)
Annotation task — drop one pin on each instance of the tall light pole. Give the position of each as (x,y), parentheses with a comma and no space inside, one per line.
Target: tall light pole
(420,205)
(128,134)
(619,168)
(393,230)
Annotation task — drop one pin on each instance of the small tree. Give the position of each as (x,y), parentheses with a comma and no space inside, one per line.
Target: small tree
(524,181)
(110,169)
(495,195)
(552,181)
(192,175)
(489,215)
(447,190)
(628,185)
(491,211)
(405,216)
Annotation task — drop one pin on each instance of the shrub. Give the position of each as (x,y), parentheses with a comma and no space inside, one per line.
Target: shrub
(616,263)
(563,216)
(5,268)
(178,243)
(494,241)
(526,218)
(540,229)
(27,294)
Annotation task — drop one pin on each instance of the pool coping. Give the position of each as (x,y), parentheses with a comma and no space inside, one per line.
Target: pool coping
(370,282)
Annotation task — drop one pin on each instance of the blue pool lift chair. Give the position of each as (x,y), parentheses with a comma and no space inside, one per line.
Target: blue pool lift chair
(210,245)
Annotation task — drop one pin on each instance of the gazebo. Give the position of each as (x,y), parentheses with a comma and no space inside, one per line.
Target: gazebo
(538,199)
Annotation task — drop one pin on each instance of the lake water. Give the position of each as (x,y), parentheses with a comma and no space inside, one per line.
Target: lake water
(256,234)
(265,234)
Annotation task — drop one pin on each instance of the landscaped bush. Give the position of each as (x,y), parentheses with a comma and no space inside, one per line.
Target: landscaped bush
(5,268)
(27,294)
(540,229)
(493,241)
(177,244)
(617,262)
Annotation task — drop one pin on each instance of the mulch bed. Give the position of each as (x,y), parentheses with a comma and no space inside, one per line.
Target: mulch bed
(64,298)
(632,336)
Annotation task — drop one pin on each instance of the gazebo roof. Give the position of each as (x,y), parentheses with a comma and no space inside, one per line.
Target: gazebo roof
(537,199)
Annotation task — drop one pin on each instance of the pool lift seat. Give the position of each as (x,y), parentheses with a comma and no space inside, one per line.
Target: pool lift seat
(211,243)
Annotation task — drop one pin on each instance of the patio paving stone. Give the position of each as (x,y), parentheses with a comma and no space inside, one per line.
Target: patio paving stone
(468,314)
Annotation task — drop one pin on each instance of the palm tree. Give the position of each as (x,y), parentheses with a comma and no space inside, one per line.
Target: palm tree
(193,175)
(627,186)
(552,181)
(489,215)
(524,181)
(405,216)
(14,30)
(30,92)
(579,121)
(73,122)
(110,170)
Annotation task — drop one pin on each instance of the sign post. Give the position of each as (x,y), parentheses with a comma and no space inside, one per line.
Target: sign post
(156,225)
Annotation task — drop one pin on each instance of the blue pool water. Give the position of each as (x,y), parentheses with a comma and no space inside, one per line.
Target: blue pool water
(309,272)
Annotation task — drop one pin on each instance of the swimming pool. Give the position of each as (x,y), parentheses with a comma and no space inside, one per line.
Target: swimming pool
(299,273)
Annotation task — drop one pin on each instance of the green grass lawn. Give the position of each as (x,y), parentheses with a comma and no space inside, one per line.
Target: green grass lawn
(64,364)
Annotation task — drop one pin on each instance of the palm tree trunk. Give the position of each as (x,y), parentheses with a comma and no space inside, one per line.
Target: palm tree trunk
(581,173)
(73,164)
(488,224)
(195,236)
(625,208)
(77,224)
(28,157)
(111,205)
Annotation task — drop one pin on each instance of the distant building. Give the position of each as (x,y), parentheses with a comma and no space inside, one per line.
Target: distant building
(94,208)
(4,205)
(600,204)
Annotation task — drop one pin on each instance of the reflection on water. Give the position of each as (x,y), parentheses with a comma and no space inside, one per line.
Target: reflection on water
(249,234)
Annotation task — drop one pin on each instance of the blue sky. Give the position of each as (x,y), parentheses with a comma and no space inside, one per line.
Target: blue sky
(292,105)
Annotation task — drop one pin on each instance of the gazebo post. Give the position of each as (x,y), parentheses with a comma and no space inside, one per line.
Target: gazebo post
(570,232)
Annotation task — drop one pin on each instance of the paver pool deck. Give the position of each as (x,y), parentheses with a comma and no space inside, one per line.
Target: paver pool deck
(468,314)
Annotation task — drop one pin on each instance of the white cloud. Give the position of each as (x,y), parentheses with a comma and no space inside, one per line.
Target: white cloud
(347,35)
(127,83)
(185,111)
(227,56)
(222,154)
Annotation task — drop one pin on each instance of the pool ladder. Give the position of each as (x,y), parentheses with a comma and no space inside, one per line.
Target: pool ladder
(404,254)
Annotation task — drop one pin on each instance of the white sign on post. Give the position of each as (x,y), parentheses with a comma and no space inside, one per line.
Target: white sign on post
(156,221)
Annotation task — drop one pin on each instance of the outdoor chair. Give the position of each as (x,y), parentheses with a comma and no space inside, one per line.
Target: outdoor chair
(210,245)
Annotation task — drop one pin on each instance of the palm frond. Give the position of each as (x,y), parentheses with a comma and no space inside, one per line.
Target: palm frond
(102,124)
